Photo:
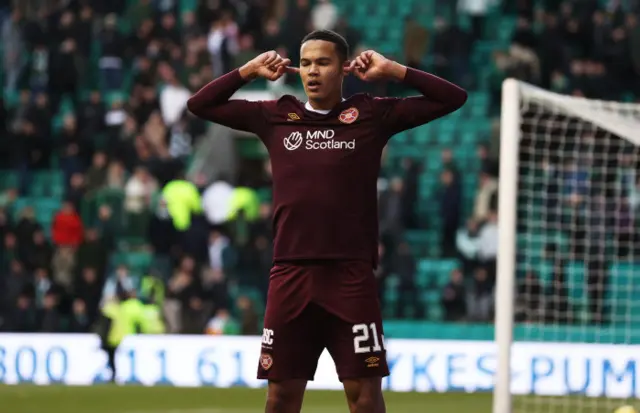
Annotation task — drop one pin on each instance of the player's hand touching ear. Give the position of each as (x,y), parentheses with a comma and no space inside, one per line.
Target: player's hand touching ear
(269,65)
(372,66)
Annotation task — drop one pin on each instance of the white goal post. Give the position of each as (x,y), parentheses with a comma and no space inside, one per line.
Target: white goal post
(567,324)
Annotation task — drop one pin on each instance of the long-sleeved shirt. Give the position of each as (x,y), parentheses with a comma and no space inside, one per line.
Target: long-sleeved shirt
(325,164)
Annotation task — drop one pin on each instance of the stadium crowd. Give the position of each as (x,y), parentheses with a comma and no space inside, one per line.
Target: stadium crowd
(123,156)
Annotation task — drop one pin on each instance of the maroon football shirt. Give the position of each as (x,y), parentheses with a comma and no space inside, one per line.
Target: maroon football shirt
(325,166)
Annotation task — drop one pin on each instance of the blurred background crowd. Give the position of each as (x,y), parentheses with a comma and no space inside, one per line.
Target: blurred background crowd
(107,187)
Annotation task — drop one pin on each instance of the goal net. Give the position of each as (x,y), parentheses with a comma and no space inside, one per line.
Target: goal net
(568,283)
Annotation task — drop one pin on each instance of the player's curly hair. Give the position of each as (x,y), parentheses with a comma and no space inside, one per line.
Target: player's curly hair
(342,47)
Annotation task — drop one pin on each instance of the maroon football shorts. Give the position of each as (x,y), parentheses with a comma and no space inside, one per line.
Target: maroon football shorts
(313,306)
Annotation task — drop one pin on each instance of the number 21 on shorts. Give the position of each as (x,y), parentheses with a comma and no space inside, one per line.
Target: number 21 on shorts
(363,333)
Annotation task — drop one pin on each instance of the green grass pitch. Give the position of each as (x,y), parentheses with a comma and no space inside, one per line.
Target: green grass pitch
(115,399)
(135,399)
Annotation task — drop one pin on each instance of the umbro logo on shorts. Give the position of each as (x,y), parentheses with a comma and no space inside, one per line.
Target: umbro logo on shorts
(372,361)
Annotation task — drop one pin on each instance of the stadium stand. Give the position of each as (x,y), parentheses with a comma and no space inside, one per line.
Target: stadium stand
(95,135)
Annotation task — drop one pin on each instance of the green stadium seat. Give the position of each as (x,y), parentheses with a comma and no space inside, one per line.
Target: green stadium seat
(437,271)
(432,297)
(138,262)
(468,138)
(402,138)
(8,179)
(47,183)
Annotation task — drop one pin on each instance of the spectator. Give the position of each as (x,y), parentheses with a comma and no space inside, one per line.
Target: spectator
(7,198)
(448,163)
(174,96)
(110,63)
(25,228)
(486,198)
(467,243)
(138,11)
(23,317)
(480,299)
(411,173)
(88,289)
(80,320)
(67,228)
(324,15)
(92,253)
(107,226)
(181,141)
(405,268)
(29,153)
(488,165)
(17,284)
(115,175)
(222,324)
(215,289)
(14,49)
(216,201)
(218,244)
(138,191)
(163,238)
(76,191)
(49,319)
(477,10)
(451,49)
(177,285)
(91,116)
(9,251)
(450,211)
(40,252)
(382,272)
(222,43)
(96,177)
(391,223)
(416,40)
(43,284)
(248,316)
(454,298)
(64,266)
(488,244)
(530,301)
(63,74)
(118,284)
(74,151)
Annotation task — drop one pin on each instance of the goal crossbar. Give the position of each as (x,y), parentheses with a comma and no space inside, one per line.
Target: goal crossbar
(607,115)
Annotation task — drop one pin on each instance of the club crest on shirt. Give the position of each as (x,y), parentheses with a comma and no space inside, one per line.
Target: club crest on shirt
(266,361)
(293,116)
(349,115)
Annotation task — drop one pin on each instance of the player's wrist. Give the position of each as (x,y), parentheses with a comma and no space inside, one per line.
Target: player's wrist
(396,71)
(248,72)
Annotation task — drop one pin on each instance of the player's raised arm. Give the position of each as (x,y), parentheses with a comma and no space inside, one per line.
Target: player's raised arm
(213,103)
(439,97)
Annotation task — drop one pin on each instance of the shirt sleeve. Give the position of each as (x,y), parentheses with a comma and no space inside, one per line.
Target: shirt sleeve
(438,99)
(213,103)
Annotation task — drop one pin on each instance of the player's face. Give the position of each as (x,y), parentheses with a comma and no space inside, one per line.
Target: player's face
(320,69)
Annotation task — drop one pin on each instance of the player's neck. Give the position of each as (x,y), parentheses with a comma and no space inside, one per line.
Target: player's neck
(325,104)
